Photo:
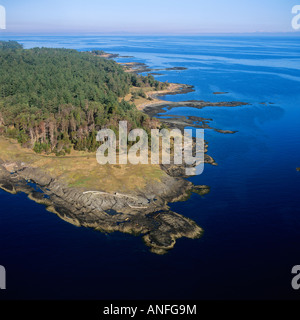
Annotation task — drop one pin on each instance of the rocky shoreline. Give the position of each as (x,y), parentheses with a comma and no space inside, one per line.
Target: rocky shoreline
(158,106)
(144,213)
(135,67)
(139,67)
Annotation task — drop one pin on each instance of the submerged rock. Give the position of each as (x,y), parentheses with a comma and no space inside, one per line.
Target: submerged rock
(201,190)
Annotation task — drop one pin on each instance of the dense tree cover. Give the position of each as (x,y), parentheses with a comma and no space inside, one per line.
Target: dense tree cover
(98,52)
(10,45)
(52,100)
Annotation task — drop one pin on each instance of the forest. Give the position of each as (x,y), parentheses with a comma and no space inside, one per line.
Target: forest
(53,100)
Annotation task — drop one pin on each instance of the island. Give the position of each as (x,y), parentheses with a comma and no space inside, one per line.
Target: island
(53,102)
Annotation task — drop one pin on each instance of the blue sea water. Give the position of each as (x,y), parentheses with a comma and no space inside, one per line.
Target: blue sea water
(251,217)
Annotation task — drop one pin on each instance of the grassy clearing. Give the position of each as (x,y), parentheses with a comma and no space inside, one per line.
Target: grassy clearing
(81,169)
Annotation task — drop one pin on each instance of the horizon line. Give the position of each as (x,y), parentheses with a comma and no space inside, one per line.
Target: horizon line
(4,32)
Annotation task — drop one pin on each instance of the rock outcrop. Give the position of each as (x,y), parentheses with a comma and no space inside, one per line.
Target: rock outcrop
(144,213)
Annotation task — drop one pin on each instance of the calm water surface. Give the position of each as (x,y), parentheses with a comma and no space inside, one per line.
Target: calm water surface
(251,217)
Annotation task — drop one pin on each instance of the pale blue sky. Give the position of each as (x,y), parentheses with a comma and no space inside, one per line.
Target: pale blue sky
(150,16)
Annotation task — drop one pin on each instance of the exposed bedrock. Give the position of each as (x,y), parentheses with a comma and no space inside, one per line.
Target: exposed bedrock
(144,212)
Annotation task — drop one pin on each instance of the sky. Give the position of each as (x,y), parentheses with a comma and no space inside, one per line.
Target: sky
(148,16)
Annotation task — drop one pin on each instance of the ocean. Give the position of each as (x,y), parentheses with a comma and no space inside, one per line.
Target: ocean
(251,217)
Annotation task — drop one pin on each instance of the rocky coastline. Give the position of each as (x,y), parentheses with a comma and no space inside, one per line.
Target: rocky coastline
(142,212)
